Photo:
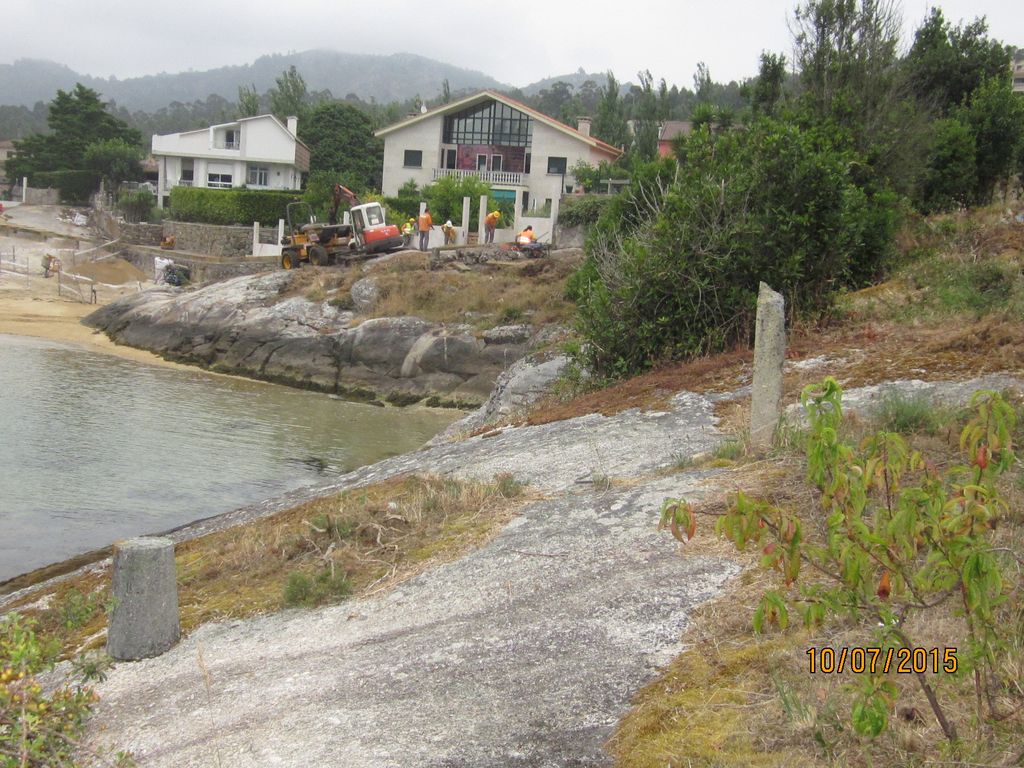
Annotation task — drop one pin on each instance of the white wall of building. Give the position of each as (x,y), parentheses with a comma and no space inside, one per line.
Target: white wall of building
(424,136)
(262,143)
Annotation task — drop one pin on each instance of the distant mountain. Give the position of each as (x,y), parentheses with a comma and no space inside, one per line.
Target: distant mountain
(396,77)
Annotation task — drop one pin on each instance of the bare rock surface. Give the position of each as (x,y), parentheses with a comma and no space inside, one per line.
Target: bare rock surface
(523,653)
(244,326)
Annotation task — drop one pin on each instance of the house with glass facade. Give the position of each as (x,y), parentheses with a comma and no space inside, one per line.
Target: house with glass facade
(520,152)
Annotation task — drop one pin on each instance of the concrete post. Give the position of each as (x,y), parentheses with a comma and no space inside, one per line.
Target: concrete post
(555,204)
(255,238)
(24,189)
(144,621)
(280,231)
(480,224)
(519,210)
(769,355)
(464,224)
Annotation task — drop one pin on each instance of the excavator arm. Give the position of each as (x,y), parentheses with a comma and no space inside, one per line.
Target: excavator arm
(341,194)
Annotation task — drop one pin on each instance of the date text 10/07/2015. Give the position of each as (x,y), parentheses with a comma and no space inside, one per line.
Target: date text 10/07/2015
(903,661)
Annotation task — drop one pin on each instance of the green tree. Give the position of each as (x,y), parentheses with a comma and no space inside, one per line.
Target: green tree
(645,124)
(248,101)
(341,141)
(767,90)
(290,96)
(949,180)
(946,64)
(444,197)
(995,116)
(610,121)
(847,55)
(77,119)
(115,159)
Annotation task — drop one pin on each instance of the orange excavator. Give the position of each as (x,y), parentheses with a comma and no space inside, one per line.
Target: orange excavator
(320,244)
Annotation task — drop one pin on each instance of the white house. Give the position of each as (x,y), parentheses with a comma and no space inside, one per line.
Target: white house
(257,152)
(518,151)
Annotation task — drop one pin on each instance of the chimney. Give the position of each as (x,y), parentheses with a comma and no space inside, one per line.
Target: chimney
(583,125)
(293,125)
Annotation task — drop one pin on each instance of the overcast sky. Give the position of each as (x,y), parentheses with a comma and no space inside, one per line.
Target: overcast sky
(517,43)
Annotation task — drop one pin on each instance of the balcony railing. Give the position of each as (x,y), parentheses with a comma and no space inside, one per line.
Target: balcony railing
(491,177)
(184,183)
(221,144)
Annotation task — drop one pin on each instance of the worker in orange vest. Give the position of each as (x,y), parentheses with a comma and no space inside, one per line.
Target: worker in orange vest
(527,241)
(490,224)
(424,223)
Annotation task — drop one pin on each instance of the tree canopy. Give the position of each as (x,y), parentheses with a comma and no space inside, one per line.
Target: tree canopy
(341,142)
(77,119)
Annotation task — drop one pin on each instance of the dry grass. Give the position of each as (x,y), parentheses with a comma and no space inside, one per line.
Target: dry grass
(486,295)
(371,537)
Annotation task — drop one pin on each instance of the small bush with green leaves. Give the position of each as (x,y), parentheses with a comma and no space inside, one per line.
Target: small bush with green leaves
(897,539)
(37,727)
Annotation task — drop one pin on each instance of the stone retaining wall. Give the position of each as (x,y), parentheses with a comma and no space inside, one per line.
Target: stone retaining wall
(224,242)
(203,270)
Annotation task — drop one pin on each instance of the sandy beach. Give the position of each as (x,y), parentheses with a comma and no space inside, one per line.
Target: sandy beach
(30,304)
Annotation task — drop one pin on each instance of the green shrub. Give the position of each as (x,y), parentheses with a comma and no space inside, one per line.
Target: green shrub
(507,485)
(74,186)
(326,586)
(907,414)
(582,210)
(230,206)
(37,727)
(136,205)
(675,261)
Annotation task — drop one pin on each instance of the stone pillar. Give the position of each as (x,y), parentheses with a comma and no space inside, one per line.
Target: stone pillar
(280,230)
(483,214)
(255,238)
(24,189)
(555,205)
(769,355)
(464,224)
(144,621)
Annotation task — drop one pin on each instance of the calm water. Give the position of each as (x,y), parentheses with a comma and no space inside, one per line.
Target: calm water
(94,448)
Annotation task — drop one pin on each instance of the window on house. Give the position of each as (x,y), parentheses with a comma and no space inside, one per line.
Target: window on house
(526,165)
(259,176)
(230,139)
(490,123)
(218,180)
(556,165)
(413,158)
(495,162)
(481,162)
(449,158)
